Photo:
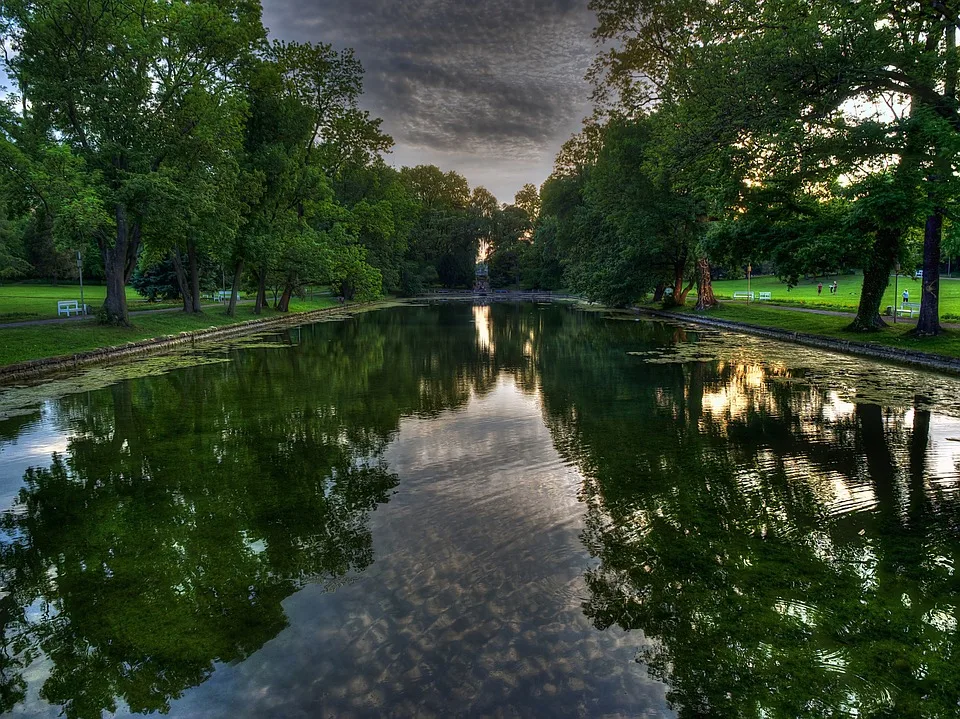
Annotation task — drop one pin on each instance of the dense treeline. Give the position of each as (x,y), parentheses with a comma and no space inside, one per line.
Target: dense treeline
(173,145)
(803,137)
(176,147)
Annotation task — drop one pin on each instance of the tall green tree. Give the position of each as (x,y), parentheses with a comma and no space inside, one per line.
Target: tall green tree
(304,130)
(444,242)
(123,88)
(870,85)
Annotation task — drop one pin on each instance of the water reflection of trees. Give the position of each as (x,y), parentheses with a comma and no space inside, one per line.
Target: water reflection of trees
(188,506)
(783,552)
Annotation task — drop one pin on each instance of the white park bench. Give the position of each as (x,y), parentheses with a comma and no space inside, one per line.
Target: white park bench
(764,296)
(68,307)
(908,308)
(223,295)
(743,295)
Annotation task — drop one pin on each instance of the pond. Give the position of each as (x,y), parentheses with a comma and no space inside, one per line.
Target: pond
(510,510)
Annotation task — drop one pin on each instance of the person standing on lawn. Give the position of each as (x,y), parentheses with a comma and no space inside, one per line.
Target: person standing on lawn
(819,288)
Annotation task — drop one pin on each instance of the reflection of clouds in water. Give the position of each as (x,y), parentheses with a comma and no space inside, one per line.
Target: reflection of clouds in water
(473,603)
(32,446)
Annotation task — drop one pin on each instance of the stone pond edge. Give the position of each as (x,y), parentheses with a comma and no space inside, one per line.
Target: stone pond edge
(30,369)
(925,360)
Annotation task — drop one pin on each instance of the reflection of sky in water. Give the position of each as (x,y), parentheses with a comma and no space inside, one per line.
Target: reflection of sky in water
(33,445)
(473,601)
(476,596)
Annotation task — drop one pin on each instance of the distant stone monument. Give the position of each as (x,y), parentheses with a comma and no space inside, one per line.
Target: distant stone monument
(482,283)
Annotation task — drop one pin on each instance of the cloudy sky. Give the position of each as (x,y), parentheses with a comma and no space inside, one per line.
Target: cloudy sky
(488,88)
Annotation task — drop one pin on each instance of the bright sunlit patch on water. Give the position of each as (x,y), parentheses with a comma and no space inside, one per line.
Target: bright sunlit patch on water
(481,320)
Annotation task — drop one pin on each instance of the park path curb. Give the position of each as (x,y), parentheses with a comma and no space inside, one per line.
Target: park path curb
(50,365)
(926,360)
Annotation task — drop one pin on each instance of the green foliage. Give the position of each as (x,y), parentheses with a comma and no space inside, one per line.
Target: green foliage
(177,133)
(528,200)
(158,282)
(624,224)
(351,276)
(13,263)
(541,265)
(127,95)
(832,102)
(448,230)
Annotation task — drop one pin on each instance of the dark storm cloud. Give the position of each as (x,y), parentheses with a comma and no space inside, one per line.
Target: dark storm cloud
(487,88)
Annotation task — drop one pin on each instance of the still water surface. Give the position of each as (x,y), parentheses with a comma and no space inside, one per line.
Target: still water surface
(510,510)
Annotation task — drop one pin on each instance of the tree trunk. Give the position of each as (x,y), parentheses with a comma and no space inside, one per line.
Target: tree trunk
(677,282)
(114,310)
(194,275)
(705,297)
(929,322)
(681,299)
(182,282)
(876,277)
(235,288)
(261,300)
(119,259)
(133,253)
(658,291)
(284,304)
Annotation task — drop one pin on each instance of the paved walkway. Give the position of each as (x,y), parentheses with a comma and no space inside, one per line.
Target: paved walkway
(82,318)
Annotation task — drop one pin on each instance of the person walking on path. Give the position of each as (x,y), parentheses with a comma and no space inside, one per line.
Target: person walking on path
(819,288)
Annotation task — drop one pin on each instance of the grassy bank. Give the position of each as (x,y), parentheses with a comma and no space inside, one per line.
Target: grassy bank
(18,344)
(34,301)
(38,301)
(830,326)
(848,293)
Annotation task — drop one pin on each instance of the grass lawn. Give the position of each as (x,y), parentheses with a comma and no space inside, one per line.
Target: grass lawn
(29,301)
(18,344)
(37,301)
(831,326)
(848,293)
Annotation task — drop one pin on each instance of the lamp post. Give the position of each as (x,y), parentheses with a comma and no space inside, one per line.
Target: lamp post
(83,307)
(749,271)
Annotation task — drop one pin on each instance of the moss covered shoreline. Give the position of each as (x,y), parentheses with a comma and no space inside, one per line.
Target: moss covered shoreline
(915,358)
(39,367)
